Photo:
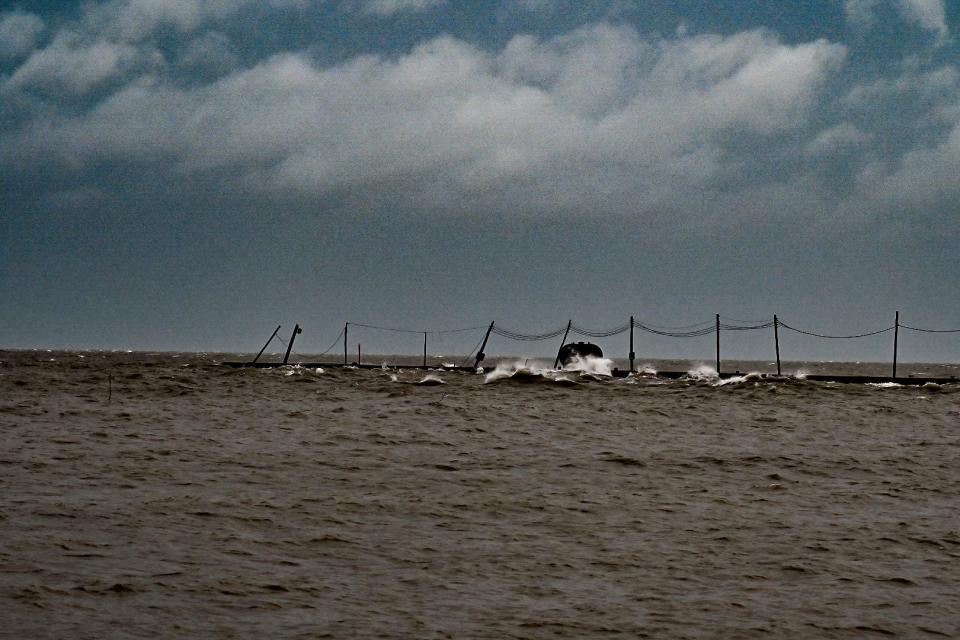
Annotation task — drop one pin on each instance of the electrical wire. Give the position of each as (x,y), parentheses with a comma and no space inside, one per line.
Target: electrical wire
(820,335)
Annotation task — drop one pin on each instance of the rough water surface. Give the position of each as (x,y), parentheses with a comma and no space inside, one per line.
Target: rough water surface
(161,495)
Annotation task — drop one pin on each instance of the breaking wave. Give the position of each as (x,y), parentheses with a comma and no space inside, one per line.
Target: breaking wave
(579,369)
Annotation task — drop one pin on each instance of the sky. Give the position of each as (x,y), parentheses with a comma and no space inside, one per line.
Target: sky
(188,174)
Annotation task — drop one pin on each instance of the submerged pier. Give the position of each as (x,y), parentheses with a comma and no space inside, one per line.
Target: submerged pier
(623,373)
(713,327)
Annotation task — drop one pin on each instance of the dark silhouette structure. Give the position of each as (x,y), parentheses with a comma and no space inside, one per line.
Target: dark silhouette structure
(569,352)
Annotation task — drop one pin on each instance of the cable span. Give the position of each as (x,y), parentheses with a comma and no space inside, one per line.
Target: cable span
(332,344)
(599,333)
(903,326)
(472,351)
(758,321)
(395,330)
(737,327)
(820,335)
(676,334)
(686,331)
(525,337)
(687,327)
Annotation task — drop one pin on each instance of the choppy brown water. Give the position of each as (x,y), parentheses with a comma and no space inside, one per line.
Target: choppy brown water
(203,501)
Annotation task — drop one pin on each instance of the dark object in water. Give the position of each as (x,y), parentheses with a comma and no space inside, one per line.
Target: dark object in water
(578,349)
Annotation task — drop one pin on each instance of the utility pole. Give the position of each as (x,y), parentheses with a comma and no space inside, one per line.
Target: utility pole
(293,336)
(556,363)
(266,344)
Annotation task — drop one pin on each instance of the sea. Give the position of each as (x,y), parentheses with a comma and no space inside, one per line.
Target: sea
(164,495)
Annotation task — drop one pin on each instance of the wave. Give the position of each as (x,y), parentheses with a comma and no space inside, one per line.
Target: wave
(429,380)
(579,369)
(297,370)
(703,373)
(590,366)
(521,372)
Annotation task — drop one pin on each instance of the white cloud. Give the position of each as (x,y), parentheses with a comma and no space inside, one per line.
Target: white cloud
(391,7)
(110,39)
(211,52)
(537,7)
(593,119)
(838,138)
(18,33)
(925,178)
(136,20)
(929,15)
(861,13)
(911,82)
(72,65)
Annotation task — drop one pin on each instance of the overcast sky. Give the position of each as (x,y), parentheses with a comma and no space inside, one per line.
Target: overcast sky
(187,174)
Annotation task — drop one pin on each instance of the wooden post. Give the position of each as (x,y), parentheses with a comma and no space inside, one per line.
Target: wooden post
(424,349)
(359,361)
(266,344)
(346,328)
(556,363)
(480,354)
(718,345)
(293,336)
(896,331)
(776,340)
(632,354)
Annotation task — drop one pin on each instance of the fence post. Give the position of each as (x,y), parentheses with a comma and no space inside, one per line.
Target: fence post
(480,354)
(632,354)
(718,345)
(556,363)
(346,328)
(896,331)
(776,340)
(424,349)
(266,344)
(359,360)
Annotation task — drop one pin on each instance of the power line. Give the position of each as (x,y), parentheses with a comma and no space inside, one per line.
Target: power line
(903,326)
(820,335)
(395,330)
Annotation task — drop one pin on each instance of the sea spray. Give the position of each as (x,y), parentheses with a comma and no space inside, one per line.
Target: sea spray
(590,365)
(580,368)
(703,373)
